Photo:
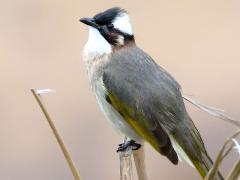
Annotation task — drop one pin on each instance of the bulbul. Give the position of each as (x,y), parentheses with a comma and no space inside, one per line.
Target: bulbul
(139,97)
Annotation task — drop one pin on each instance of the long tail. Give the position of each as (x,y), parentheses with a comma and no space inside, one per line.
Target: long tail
(190,141)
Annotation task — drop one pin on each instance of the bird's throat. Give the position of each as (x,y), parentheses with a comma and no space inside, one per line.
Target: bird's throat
(96,45)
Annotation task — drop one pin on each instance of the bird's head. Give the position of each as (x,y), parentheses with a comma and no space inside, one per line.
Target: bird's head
(112,27)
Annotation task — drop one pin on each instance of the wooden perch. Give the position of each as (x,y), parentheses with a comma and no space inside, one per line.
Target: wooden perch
(126,170)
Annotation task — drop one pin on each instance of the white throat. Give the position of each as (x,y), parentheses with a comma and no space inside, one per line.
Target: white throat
(96,44)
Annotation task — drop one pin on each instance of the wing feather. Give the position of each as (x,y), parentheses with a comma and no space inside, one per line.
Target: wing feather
(140,91)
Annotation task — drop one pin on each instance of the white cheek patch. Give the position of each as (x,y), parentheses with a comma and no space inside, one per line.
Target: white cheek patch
(122,22)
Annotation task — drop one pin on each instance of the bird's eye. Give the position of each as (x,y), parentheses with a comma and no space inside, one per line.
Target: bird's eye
(110,26)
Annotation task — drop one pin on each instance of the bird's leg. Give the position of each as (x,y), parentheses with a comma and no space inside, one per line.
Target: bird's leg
(128,143)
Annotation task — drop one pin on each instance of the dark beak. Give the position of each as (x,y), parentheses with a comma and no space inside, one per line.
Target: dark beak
(89,22)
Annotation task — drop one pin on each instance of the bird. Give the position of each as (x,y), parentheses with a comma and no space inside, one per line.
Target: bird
(140,98)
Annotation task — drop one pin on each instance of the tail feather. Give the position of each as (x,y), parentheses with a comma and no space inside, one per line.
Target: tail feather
(189,140)
(202,162)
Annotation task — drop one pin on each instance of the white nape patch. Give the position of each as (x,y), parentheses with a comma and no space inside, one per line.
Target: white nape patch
(180,153)
(96,44)
(122,22)
(120,40)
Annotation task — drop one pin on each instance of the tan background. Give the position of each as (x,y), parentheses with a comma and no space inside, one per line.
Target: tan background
(40,46)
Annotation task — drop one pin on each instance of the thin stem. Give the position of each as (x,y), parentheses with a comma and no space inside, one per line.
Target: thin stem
(67,156)
(221,155)
(213,111)
(234,173)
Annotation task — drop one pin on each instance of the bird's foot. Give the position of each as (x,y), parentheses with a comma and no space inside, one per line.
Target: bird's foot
(131,143)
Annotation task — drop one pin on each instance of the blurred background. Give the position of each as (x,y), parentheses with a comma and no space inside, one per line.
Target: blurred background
(41,43)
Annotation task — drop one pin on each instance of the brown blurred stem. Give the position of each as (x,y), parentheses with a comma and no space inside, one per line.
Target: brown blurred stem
(139,159)
(234,173)
(67,156)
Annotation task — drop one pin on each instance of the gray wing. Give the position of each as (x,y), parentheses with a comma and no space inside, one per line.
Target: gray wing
(150,101)
(147,97)
(143,85)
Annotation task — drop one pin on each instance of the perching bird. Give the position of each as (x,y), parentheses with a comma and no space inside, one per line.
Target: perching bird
(139,97)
